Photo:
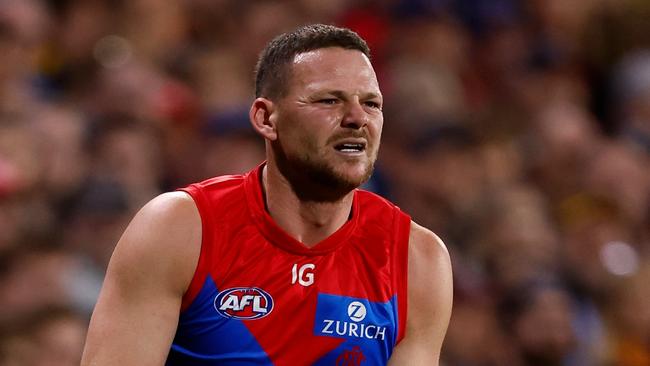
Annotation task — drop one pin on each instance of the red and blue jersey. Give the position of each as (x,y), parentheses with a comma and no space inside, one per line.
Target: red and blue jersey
(260,297)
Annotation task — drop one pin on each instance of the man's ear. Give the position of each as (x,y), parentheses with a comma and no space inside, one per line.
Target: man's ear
(263,118)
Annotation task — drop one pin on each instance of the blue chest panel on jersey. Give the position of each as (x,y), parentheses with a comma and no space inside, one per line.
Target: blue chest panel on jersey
(204,337)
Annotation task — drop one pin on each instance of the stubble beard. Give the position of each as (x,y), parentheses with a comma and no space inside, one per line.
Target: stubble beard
(315,179)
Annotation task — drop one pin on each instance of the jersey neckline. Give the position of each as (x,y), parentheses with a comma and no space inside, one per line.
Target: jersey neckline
(278,236)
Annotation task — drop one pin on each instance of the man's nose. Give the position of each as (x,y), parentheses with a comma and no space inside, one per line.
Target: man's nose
(355,116)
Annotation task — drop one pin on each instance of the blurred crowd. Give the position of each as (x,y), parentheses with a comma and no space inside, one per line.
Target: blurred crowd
(517,130)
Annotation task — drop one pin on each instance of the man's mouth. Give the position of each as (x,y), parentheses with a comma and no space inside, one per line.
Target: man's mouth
(351,147)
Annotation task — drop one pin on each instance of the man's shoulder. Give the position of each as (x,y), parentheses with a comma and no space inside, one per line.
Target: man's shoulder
(176,208)
(426,243)
(164,237)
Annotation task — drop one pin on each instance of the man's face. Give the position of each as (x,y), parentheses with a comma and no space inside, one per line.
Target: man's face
(330,120)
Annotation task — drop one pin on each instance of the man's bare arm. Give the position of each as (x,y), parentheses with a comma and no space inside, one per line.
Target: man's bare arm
(430,291)
(153,263)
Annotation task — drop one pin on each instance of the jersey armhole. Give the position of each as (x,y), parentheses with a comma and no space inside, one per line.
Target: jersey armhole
(400,269)
(201,271)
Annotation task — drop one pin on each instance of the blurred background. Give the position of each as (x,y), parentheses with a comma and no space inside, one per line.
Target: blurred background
(519,131)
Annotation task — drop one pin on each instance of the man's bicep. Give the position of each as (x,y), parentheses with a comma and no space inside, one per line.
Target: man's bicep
(429,300)
(137,312)
(130,330)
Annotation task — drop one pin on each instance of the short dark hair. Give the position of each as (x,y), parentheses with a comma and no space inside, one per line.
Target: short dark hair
(272,71)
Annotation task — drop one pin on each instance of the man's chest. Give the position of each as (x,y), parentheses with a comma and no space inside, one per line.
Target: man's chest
(300,309)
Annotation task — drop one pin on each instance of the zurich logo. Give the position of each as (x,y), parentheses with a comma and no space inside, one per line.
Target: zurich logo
(356,311)
(352,318)
(244,303)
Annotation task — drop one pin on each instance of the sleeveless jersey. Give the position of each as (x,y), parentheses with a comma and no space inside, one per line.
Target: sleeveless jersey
(260,297)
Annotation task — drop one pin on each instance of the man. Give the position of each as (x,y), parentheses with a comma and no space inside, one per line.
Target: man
(289,264)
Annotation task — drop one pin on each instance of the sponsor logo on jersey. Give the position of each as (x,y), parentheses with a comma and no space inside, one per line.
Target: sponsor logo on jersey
(346,317)
(352,330)
(245,303)
(356,311)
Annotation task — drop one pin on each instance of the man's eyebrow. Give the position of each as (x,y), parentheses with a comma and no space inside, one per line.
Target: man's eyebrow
(342,95)
(372,95)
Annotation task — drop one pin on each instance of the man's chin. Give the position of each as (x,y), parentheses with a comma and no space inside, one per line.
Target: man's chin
(352,176)
(332,183)
(323,179)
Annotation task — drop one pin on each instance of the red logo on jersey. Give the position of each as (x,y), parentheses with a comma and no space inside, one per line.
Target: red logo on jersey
(244,303)
(351,357)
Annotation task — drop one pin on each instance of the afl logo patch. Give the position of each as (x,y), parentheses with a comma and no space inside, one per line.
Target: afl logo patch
(246,303)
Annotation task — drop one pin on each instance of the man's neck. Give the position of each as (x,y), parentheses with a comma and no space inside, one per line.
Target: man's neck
(308,222)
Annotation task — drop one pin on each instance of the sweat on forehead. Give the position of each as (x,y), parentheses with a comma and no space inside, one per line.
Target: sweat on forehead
(332,69)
